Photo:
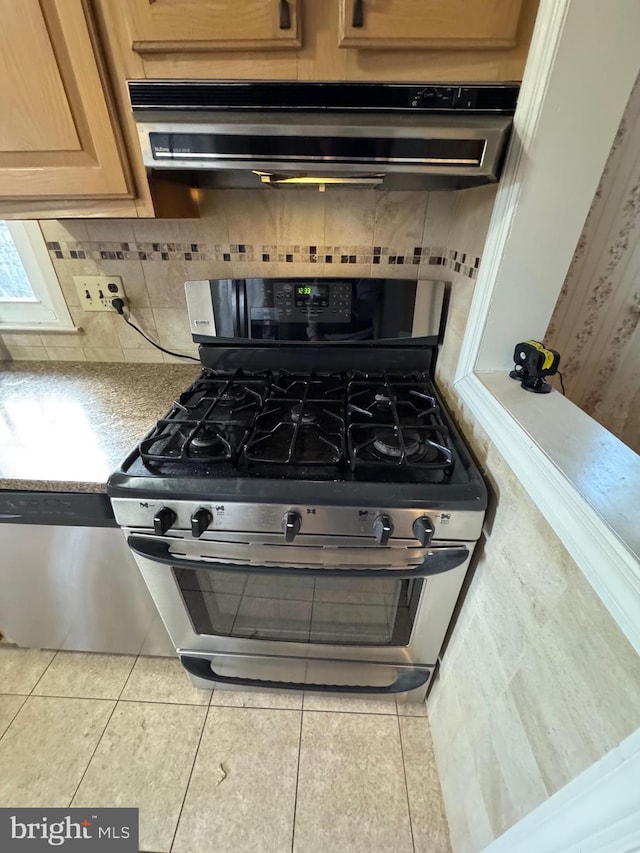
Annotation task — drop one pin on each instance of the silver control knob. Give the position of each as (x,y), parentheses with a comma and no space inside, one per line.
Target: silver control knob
(382,528)
(423,530)
(291,525)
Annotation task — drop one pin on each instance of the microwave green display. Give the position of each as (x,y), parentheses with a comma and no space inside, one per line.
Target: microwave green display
(315,295)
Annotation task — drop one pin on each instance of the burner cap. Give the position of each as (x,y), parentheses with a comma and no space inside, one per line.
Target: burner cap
(206,439)
(303,414)
(387,443)
(233,394)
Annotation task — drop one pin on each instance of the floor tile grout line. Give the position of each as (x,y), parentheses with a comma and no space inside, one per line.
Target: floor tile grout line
(41,676)
(113,710)
(126,681)
(132,701)
(295,799)
(16,713)
(193,764)
(29,694)
(84,772)
(211,704)
(406,785)
(335,711)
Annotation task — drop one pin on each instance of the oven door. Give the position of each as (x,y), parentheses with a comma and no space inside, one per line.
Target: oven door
(369,620)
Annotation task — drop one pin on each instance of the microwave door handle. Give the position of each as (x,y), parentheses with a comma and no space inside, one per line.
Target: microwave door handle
(245,327)
(409,678)
(435,563)
(238,306)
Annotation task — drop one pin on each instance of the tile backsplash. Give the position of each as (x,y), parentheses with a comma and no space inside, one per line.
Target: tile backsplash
(248,233)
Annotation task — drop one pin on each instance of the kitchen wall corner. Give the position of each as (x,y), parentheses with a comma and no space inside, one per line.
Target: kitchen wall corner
(243,233)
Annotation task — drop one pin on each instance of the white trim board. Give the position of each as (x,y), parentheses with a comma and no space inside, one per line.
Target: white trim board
(597,812)
(568,114)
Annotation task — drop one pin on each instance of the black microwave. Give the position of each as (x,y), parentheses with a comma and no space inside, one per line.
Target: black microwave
(316,311)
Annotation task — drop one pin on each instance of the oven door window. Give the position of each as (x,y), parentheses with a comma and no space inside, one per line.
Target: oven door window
(333,611)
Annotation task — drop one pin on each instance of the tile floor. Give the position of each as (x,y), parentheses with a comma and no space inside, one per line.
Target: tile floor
(225,772)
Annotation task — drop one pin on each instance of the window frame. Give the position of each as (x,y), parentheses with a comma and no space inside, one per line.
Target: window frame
(49,313)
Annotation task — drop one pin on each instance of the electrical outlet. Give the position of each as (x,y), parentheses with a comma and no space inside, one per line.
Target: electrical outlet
(97,291)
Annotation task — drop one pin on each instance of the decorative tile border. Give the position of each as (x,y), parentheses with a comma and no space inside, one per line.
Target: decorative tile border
(459,262)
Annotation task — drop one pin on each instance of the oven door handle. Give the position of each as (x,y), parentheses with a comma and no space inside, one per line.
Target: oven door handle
(435,563)
(409,678)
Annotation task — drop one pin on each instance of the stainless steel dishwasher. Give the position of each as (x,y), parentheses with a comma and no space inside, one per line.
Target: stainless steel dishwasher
(68,580)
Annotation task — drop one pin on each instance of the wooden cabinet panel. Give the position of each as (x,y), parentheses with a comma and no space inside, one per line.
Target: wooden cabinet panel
(198,25)
(22,118)
(436,24)
(57,137)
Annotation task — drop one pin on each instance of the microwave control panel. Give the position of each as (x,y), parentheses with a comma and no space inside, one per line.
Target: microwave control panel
(304,302)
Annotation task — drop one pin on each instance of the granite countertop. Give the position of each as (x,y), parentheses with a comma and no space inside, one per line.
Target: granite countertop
(65,426)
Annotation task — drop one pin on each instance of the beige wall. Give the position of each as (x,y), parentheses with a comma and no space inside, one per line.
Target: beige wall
(537,681)
(396,234)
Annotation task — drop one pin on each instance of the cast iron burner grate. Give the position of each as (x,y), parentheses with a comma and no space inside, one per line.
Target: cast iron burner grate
(322,425)
(209,422)
(396,422)
(302,422)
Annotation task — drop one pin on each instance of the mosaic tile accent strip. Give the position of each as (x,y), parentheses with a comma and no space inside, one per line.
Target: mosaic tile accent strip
(382,256)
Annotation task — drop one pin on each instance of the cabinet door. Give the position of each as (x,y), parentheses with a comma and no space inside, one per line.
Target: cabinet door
(197,25)
(436,24)
(57,139)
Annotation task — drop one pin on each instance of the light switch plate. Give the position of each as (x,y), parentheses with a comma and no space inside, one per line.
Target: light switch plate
(97,291)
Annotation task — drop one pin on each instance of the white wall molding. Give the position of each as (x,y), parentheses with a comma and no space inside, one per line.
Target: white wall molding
(597,812)
(567,117)
(542,53)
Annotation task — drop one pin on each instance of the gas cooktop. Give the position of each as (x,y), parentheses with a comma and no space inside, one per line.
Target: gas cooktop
(268,434)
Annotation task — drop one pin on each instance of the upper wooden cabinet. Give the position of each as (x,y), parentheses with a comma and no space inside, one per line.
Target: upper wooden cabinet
(433,40)
(58,138)
(429,24)
(200,25)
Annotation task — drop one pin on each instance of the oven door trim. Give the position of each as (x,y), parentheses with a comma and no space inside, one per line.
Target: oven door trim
(438,597)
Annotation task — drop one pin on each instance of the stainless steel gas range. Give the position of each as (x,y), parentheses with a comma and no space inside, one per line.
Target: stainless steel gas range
(305,514)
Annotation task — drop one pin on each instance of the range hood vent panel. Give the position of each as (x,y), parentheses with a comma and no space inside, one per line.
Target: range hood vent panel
(456,134)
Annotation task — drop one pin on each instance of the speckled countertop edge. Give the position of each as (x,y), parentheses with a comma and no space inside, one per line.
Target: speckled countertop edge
(101,409)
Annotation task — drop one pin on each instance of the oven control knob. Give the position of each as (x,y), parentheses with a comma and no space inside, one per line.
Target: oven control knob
(291,525)
(423,530)
(382,528)
(200,520)
(163,520)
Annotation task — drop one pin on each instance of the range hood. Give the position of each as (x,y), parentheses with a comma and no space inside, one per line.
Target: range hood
(379,135)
